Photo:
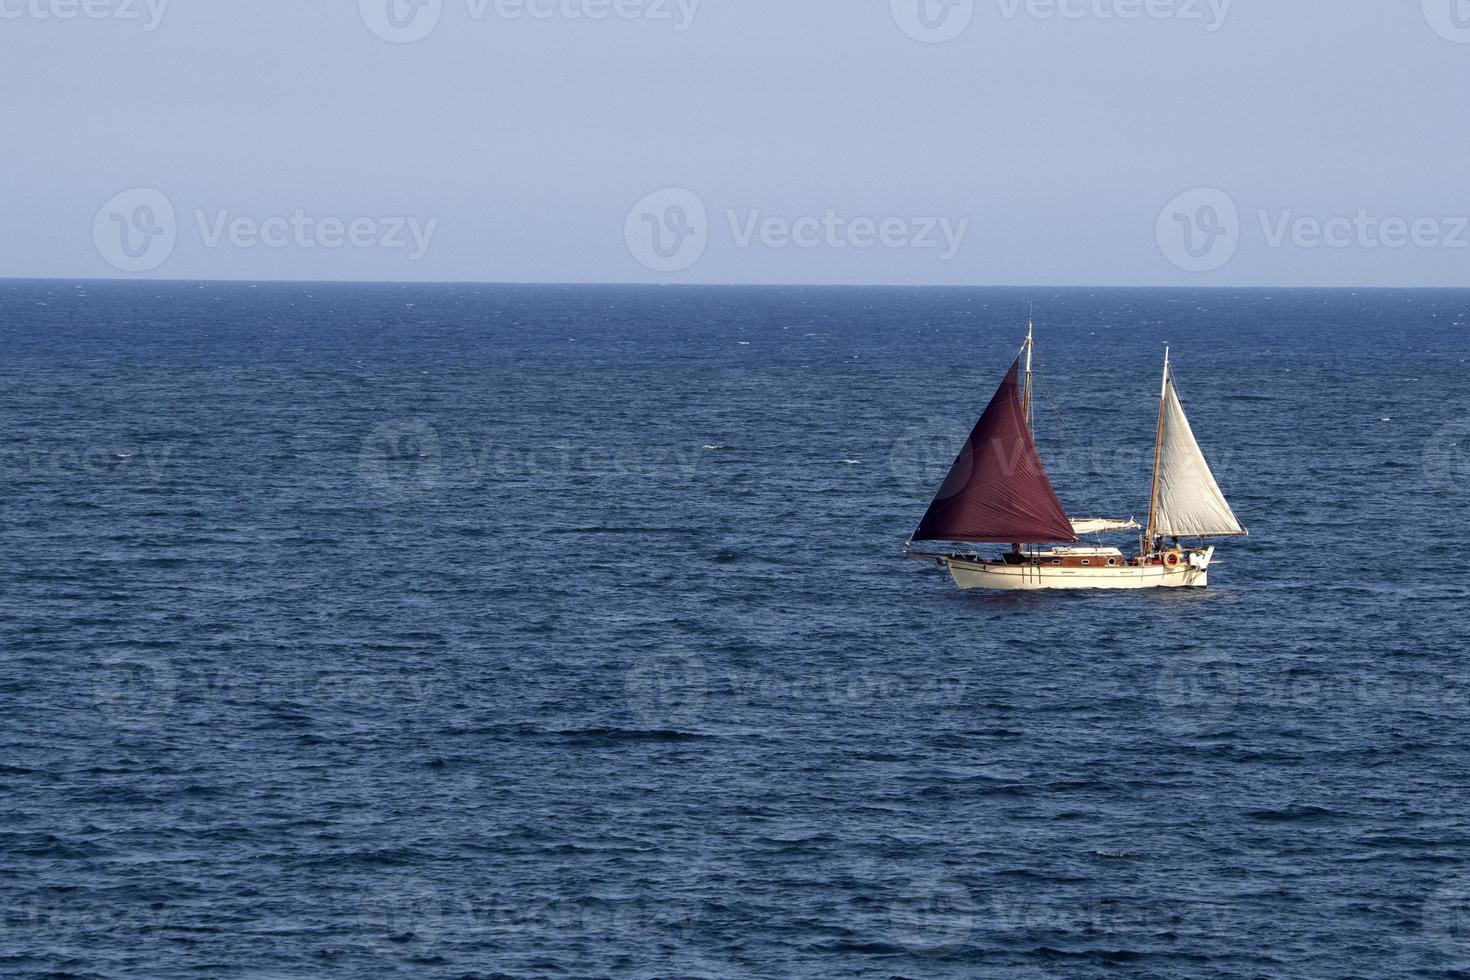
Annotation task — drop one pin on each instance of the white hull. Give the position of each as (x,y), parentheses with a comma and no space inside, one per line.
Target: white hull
(978,573)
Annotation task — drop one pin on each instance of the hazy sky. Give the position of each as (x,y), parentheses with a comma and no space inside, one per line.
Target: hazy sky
(1207,142)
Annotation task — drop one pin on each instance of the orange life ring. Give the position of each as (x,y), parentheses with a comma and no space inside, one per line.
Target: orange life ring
(1172,559)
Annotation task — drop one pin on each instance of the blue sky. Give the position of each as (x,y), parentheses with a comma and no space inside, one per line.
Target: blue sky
(1116,142)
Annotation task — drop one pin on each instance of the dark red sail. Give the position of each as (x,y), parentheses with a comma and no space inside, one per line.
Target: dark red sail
(998,490)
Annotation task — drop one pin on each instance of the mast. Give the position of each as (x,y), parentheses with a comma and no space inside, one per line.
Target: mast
(1153,494)
(1026,387)
(1026,391)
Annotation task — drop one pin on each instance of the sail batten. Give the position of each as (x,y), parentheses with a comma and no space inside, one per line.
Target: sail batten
(1187,500)
(997,490)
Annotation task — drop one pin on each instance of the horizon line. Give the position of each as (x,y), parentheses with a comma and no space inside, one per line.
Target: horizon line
(701,284)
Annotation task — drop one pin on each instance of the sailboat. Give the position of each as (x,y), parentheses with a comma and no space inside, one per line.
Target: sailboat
(998,492)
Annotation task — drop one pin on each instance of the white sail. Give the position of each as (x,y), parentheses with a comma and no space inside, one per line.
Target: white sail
(1188,501)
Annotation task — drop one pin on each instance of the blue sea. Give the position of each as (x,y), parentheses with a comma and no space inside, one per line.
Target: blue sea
(534,631)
